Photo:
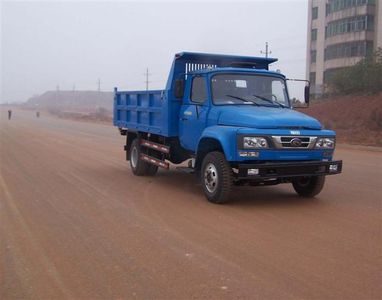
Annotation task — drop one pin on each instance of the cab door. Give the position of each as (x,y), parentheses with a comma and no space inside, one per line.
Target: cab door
(193,113)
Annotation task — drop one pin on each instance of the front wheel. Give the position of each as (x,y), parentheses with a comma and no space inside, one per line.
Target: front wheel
(308,186)
(216,177)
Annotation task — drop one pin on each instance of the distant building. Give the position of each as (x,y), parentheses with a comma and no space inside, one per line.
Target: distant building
(341,33)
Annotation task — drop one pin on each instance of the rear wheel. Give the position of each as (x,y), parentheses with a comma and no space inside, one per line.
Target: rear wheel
(138,166)
(308,186)
(151,170)
(216,177)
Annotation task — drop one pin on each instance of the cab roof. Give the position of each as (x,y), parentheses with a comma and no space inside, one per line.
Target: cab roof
(235,70)
(225,60)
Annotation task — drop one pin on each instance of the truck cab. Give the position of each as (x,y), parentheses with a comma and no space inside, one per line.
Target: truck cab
(233,120)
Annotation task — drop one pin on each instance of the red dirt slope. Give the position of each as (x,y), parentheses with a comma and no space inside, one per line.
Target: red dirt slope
(356,119)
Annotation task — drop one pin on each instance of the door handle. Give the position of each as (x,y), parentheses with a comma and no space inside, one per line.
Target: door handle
(183,119)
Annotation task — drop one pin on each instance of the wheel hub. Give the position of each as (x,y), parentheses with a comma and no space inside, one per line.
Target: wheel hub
(211,178)
(134,157)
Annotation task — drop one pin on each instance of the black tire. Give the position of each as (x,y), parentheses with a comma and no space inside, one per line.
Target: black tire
(138,166)
(216,177)
(308,186)
(151,170)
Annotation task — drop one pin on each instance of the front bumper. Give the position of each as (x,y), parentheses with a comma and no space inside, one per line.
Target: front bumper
(288,169)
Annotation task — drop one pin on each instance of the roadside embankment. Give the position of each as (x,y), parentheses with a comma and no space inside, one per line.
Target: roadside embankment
(357,119)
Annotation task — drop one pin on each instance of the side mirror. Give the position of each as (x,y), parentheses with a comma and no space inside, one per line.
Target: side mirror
(179,88)
(307,94)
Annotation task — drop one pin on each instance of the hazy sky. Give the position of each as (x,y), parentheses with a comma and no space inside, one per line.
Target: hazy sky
(45,44)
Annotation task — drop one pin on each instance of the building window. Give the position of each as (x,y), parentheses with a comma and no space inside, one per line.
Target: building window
(314,13)
(352,49)
(313,56)
(337,5)
(359,23)
(312,78)
(313,34)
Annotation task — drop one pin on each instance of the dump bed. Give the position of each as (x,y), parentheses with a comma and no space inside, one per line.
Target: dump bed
(141,111)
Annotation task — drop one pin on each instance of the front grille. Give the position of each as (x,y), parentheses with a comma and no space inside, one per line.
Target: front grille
(294,142)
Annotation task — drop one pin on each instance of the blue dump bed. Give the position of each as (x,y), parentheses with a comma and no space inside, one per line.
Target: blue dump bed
(147,111)
(141,111)
(158,111)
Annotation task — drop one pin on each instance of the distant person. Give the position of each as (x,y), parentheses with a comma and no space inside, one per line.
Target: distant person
(37,114)
(9,114)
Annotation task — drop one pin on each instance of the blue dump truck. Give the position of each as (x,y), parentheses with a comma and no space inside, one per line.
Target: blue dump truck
(232,119)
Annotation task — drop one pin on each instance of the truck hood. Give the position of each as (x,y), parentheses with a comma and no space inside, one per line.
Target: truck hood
(265,118)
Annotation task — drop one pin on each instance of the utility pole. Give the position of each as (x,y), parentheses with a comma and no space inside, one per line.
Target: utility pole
(266,50)
(147,74)
(99,84)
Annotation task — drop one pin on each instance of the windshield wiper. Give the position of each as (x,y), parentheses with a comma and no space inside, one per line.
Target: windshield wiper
(243,99)
(270,101)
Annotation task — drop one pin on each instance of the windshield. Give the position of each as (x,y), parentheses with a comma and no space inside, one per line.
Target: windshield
(239,89)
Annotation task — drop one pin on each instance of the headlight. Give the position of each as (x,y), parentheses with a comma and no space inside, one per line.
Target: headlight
(250,142)
(325,143)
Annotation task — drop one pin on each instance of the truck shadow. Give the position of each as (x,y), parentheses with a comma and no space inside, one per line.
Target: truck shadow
(278,195)
(188,186)
(269,196)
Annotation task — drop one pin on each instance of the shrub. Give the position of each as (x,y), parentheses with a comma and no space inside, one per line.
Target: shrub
(364,77)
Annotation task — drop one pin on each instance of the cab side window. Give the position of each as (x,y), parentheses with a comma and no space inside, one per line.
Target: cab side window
(198,90)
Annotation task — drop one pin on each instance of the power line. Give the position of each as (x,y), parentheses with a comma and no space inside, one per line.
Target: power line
(267,51)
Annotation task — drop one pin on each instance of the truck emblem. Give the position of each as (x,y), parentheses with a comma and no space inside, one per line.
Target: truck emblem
(296,142)
(295,132)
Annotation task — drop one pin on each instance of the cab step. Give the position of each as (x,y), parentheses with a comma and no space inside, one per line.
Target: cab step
(155,146)
(155,161)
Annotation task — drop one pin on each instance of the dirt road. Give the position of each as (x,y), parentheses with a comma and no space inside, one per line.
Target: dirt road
(75,223)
